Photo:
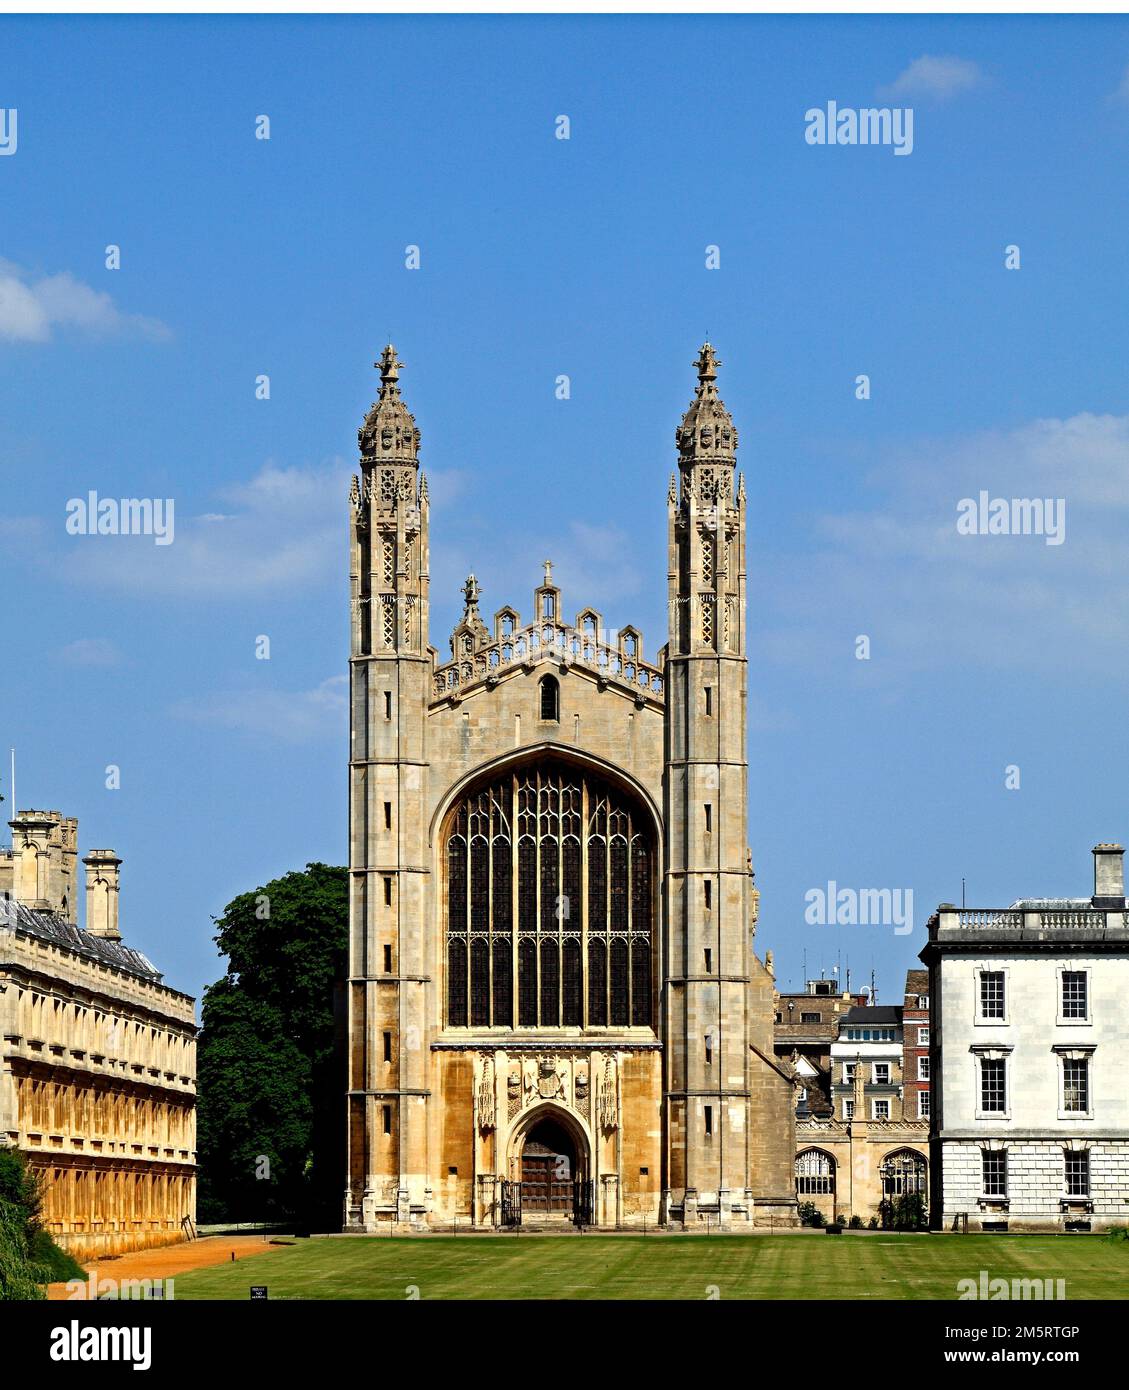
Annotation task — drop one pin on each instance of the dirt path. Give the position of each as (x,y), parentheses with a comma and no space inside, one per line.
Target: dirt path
(170,1260)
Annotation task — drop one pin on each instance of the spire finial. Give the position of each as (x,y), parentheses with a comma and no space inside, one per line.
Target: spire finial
(548,572)
(706,433)
(471,591)
(389,432)
(707,365)
(389,368)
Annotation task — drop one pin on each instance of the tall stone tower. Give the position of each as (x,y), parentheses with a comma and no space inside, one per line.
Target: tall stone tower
(555,1012)
(708,887)
(390,672)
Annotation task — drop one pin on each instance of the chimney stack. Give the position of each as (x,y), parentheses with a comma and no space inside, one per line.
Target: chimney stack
(44,850)
(102,883)
(1109,878)
(31,851)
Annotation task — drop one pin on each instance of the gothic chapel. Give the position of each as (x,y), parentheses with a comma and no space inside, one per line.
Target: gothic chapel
(555,1010)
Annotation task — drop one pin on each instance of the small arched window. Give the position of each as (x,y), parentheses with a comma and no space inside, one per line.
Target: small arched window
(550,699)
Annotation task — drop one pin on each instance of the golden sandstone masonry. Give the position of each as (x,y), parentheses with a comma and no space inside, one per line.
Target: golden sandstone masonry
(555,1009)
(97,1055)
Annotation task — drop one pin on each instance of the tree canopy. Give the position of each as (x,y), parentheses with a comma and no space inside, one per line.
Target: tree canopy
(270,1066)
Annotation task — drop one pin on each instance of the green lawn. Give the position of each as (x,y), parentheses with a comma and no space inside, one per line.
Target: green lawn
(665,1267)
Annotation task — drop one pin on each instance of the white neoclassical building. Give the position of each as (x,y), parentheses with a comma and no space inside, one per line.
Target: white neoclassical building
(1030,1054)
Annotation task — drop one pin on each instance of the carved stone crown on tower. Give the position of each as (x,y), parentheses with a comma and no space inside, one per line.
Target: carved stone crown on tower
(389,433)
(707,433)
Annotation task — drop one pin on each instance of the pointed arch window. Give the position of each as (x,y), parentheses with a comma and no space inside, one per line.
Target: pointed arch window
(550,693)
(550,904)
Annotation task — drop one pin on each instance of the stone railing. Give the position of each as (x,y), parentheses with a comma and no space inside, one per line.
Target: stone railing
(1069,917)
(1030,918)
(556,642)
(989,917)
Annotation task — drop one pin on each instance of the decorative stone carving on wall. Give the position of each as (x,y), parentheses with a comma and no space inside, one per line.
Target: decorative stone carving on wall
(608,1109)
(486,1096)
(552,1080)
(567,1080)
(580,1090)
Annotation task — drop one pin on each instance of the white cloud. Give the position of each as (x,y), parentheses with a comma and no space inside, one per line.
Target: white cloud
(936,77)
(90,651)
(929,597)
(446,485)
(1121,96)
(298,716)
(32,308)
(284,529)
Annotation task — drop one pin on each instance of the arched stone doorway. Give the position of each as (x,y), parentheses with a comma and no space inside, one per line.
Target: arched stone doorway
(550,1169)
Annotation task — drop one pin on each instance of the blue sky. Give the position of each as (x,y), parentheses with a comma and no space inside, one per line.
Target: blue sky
(585,257)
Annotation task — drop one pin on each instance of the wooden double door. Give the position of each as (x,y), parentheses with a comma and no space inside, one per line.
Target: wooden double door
(546,1180)
(548,1171)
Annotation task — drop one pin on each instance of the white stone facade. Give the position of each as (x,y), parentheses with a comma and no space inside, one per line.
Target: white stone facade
(1035,1181)
(1030,1053)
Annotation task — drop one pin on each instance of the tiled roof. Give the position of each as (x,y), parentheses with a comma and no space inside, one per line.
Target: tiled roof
(49,926)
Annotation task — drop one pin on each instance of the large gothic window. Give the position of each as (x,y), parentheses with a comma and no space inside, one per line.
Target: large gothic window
(550,904)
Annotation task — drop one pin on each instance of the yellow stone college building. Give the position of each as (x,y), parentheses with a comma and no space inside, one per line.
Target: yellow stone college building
(555,1010)
(97,1053)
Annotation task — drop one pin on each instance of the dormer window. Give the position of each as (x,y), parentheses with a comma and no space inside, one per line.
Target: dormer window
(550,691)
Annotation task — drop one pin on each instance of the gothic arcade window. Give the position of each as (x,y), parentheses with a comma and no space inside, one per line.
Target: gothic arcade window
(902,1173)
(815,1173)
(550,901)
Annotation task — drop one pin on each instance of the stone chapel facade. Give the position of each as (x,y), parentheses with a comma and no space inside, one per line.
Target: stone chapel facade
(555,1011)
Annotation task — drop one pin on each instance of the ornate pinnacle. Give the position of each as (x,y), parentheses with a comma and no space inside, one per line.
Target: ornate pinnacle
(471,591)
(389,372)
(707,364)
(706,434)
(389,433)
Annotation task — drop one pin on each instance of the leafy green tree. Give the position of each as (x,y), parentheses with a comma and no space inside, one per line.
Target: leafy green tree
(29,1257)
(270,1063)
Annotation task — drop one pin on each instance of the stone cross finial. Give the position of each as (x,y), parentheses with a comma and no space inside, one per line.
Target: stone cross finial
(548,572)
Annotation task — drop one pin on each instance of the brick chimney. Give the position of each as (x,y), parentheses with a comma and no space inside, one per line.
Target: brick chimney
(1109,878)
(102,883)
